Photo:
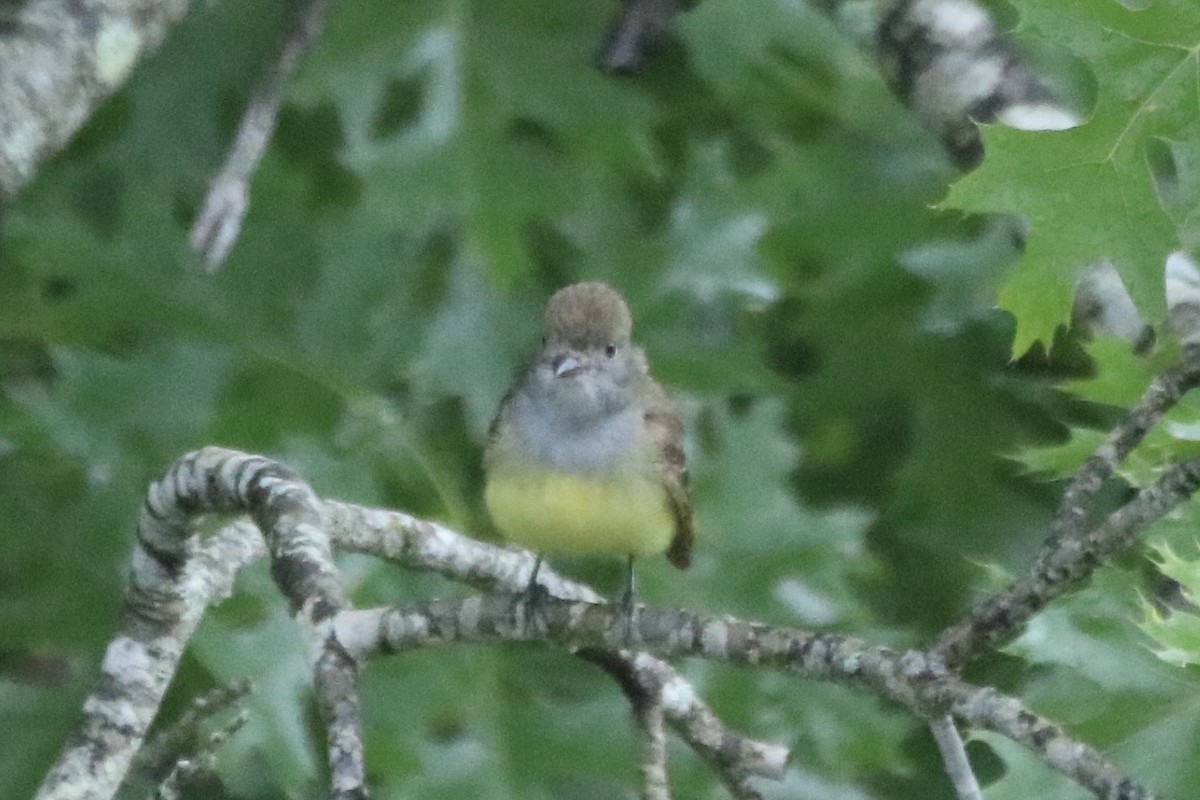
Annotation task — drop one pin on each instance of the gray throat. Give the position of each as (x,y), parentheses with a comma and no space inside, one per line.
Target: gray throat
(554,434)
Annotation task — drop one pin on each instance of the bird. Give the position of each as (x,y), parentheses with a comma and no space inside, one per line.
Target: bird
(585,453)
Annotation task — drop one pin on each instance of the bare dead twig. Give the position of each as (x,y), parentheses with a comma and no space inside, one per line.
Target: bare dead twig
(203,761)
(185,737)
(220,220)
(1159,398)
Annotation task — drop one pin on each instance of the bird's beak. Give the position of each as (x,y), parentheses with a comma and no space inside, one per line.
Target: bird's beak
(565,366)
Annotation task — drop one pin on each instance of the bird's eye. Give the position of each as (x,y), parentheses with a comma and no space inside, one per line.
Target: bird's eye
(610,351)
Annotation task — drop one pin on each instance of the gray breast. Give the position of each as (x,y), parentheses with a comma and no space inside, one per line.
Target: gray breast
(569,442)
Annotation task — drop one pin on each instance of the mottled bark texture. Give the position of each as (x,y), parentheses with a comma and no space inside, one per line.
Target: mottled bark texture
(161,612)
(914,679)
(733,757)
(59,59)
(946,60)
(176,575)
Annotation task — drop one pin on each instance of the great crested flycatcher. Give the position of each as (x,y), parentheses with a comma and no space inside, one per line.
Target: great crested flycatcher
(585,453)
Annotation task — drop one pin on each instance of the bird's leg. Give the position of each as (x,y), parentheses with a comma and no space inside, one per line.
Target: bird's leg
(533,595)
(627,602)
(533,585)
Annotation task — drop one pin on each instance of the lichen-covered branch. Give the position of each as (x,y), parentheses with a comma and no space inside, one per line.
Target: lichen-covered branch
(59,60)
(228,197)
(914,679)
(946,60)
(416,543)
(651,723)
(291,518)
(420,544)
(162,608)
(175,577)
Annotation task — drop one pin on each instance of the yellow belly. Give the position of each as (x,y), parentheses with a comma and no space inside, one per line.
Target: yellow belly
(561,512)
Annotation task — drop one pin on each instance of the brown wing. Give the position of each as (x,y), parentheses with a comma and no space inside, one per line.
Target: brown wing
(663,421)
(489,447)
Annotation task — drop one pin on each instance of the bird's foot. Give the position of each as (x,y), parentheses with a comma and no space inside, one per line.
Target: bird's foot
(628,608)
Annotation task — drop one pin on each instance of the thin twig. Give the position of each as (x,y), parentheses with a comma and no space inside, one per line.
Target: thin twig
(182,738)
(916,680)
(1162,395)
(735,758)
(203,761)
(1063,564)
(217,227)
(954,756)
(652,725)
(1072,552)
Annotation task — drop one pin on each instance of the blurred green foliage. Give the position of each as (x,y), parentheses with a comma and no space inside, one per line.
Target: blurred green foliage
(439,169)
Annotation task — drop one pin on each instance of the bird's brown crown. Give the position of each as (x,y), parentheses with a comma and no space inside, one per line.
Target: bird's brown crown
(588,315)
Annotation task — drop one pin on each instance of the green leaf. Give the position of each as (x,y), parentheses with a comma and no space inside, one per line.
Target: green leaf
(1025,776)
(762,543)
(445,121)
(254,638)
(473,346)
(1120,379)
(1176,632)
(759,195)
(1088,193)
